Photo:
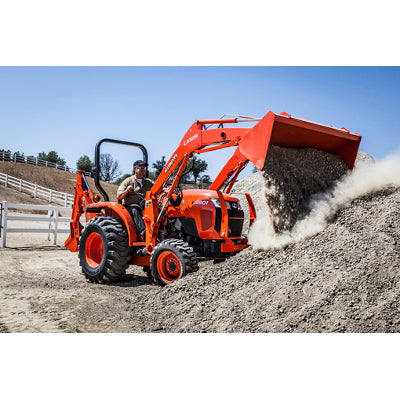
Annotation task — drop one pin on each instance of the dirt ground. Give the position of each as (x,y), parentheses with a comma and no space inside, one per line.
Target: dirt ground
(42,290)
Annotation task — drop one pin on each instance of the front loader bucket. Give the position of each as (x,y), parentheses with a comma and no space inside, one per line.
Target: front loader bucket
(287,131)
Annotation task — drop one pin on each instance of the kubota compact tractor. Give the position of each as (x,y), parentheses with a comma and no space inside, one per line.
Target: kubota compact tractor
(187,226)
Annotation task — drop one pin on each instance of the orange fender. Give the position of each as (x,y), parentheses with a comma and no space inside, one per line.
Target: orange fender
(119,212)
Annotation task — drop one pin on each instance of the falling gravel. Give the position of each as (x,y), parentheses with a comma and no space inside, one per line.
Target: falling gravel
(291,176)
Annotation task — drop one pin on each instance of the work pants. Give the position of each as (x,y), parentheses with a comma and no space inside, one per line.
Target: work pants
(137,214)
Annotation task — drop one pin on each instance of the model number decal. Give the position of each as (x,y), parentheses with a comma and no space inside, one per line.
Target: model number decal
(170,163)
(190,139)
(201,202)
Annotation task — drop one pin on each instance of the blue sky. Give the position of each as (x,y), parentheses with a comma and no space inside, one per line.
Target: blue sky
(68,109)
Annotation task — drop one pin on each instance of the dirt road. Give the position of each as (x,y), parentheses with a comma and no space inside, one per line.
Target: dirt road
(42,290)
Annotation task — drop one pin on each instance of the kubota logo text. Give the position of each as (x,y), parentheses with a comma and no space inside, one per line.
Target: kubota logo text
(190,139)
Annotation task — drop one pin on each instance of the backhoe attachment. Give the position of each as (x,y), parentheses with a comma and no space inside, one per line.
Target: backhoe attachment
(83,197)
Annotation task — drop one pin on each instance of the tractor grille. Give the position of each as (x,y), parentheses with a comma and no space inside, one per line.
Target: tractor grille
(235,221)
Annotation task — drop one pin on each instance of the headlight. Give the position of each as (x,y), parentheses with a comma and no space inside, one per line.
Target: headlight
(236,206)
(217,203)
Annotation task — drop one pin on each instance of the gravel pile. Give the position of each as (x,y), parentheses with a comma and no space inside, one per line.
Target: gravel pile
(344,278)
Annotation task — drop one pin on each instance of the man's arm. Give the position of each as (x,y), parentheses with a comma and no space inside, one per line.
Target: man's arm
(122,195)
(123,189)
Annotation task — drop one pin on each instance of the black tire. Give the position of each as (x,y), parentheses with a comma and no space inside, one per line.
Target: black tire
(171,260)
(104,250)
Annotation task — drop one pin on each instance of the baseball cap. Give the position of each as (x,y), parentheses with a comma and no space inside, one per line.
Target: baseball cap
(139,163)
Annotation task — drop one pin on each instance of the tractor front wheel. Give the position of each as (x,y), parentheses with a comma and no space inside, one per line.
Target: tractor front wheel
(104,250)
(171,260)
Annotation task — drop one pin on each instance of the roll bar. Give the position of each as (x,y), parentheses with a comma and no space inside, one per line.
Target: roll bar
(96,170)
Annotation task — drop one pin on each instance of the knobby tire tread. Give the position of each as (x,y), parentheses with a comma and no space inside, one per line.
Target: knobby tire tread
(187,253)
(117,255)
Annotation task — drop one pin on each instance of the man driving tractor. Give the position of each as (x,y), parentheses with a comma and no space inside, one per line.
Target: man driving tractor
(132,192)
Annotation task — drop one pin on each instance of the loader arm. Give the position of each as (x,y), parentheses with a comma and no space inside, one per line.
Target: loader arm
(199,140)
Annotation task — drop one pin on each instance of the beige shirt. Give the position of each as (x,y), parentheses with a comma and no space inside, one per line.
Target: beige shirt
(139,192)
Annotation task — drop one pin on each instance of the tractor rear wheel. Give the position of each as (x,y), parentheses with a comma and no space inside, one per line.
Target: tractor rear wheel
(171,260)
(104,250)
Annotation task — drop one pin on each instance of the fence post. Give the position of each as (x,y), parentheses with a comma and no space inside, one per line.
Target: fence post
(36,161)
(20,185)
(46,164)
(3,224)
(15,157)
(55,227)
(51,196)
(6,182)
(49,214)
(35,193)
(66,199)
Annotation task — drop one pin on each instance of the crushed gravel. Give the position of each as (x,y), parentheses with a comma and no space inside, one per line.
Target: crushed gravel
(292,176)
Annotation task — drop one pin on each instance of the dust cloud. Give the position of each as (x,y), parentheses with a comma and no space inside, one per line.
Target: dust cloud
(367,177)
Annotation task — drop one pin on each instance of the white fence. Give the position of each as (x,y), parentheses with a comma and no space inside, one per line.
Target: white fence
(49,223)
(53,196)
(6,156)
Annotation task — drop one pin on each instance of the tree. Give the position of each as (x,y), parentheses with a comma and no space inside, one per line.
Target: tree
(199,167)
(52,157)
(7,154)
(206,178)
(158,166)
(84,164)
(109,168)
(153,176)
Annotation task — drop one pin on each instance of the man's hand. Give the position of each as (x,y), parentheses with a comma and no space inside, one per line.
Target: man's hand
(123,194)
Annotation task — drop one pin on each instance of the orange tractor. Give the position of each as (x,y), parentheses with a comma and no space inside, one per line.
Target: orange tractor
(187,226)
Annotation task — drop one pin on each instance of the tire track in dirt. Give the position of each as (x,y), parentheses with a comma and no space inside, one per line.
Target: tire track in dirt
(18,315)
(45,291)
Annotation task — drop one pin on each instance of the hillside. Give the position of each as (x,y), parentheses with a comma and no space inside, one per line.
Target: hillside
(52,178)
